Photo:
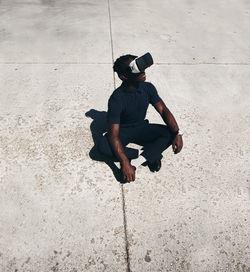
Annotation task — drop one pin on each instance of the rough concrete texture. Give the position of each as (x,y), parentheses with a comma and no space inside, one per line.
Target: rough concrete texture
(62,208)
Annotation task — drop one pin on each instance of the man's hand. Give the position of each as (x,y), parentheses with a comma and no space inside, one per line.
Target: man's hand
(177,144)
(128,172)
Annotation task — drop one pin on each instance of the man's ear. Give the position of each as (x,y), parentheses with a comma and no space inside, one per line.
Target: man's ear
(122,77)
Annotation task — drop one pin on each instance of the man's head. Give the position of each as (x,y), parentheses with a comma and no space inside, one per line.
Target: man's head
(121,67)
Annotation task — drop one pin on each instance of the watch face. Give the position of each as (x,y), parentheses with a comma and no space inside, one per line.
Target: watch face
(180,132)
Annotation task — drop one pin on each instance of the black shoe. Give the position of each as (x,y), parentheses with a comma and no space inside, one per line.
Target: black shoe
(154,166)
(145,163)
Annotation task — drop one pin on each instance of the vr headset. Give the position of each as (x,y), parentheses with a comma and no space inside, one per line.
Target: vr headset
(138,65)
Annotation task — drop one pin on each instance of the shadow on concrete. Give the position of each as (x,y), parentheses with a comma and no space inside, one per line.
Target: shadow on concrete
(98,127)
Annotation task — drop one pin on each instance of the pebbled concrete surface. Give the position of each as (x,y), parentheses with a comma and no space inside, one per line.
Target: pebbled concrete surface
(57,205)
(62,208)
(194,215)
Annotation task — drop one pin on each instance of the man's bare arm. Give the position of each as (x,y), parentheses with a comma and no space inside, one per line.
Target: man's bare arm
(169,119)
(166,115)
(113,136)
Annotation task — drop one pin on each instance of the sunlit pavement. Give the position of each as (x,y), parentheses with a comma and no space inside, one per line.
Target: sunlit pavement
(62,205)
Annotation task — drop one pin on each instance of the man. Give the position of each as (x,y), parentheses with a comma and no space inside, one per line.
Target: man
(127,107)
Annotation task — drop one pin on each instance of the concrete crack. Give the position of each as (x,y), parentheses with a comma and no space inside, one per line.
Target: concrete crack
(121,185)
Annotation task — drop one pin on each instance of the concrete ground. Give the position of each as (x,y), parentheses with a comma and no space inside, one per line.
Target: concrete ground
(62,208)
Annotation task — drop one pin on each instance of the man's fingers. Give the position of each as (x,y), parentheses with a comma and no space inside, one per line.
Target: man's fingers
(129,176)
(180,148)
(177,148)
(133,177)
(125,176)
(173,146)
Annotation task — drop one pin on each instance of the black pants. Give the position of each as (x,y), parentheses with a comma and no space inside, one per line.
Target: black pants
(155,138)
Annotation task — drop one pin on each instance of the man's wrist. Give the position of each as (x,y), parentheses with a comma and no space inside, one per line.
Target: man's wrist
(125,161)
(178,132)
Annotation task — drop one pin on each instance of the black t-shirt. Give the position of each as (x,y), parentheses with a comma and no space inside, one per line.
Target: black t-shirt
(129,107)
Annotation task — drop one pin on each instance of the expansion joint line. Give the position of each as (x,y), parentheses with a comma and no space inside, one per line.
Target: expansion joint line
(125,227)
(111,40)
(121,185)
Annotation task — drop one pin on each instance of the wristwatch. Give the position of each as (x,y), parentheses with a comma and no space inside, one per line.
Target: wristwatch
(179,132)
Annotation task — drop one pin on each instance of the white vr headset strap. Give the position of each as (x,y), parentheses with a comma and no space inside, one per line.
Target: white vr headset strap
(134,67)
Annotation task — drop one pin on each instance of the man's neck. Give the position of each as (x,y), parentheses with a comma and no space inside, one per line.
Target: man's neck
(131,85)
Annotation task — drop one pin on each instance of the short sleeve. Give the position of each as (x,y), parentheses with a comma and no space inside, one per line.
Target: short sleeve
(153,94)
(114,110)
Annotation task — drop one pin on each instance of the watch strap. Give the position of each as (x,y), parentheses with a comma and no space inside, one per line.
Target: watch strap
(178,132)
